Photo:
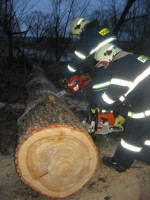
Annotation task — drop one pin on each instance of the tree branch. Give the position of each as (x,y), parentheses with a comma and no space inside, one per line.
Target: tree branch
(123,16)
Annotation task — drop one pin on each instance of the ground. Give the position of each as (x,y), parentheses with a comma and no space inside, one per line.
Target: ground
(106,184)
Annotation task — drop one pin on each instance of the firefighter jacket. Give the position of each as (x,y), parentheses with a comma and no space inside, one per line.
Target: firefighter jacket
(129,83)
(91,38)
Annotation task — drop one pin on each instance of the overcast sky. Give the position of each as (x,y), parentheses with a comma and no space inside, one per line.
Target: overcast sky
(44,5)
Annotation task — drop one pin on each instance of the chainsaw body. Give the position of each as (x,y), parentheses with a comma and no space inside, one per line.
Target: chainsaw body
(102,123)
(77,83)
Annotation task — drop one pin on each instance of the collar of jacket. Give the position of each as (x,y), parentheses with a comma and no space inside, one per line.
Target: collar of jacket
(121,54)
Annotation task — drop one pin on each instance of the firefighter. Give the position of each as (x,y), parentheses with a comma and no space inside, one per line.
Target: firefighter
(90,35)
(129,83)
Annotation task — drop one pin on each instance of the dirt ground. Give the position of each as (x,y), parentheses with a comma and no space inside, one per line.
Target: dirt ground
(106,184)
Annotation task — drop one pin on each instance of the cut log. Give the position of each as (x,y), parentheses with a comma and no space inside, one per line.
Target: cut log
(55,156)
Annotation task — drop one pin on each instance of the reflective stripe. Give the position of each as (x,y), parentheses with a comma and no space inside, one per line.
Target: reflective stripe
(131,86)
(130,147)
(110,48)
(139,79)
(147,112)
(139,115)
(122,98)
(71,69)
(79,22)
(121,82)
(114,81)
(101,85)
(104,111)
(80,55)
(147,142)
(102,44)
(136,115)
(107,99)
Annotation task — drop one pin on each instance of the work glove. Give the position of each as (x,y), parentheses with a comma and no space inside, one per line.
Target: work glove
(64,81)
(119,121)
(95,110)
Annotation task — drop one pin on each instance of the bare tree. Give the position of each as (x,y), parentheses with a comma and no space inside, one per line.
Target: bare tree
(10,19)
(107,13)
(41,31)
(131,25)
(136,27)
(40,24)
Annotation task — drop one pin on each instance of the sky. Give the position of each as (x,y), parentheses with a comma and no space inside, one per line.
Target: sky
(44,5)
(40,5)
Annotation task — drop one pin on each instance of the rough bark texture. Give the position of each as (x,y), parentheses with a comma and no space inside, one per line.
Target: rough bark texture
(55,156)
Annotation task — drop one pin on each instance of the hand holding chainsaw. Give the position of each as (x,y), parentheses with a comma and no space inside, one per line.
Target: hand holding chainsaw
(74,84)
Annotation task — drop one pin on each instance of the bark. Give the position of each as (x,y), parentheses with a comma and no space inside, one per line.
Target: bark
(55,156)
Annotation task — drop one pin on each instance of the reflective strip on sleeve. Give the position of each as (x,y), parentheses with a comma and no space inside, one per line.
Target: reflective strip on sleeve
(136,115)
(139,79)
(80,55)
(113,81)
(121,82)
(139,115)
(71,68)
(98,86)
(102,44)
(107,99)
(130,147)
(131,86)
(147,142)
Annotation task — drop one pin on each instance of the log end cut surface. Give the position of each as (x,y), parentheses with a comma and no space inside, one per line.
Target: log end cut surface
(57,161)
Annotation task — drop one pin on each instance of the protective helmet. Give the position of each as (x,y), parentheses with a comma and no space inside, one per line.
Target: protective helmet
(78,25)
(106,53)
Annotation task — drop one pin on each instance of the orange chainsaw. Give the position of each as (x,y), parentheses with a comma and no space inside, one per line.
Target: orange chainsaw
(101,124)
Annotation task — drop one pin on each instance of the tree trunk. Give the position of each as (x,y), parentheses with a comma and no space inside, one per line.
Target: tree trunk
(55,156)
(10,45)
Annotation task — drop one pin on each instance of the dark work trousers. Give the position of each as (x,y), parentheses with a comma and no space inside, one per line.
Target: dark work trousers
(135,133)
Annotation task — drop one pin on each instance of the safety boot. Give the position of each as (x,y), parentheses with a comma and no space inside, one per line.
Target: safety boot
(109,161)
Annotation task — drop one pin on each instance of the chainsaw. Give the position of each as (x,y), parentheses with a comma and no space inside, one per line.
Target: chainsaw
(75,84)
(101,124)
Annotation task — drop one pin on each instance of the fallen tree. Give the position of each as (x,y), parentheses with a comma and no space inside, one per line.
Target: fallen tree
(55,156)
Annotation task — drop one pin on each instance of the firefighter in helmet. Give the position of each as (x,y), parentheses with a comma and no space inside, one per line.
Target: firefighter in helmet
(90,35)
(128,83)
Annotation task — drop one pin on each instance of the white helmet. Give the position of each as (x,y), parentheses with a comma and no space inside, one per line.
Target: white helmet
(77,26)
(106,53)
